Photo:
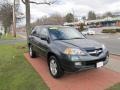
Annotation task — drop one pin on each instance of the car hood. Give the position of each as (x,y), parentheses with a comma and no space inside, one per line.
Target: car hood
(81,43)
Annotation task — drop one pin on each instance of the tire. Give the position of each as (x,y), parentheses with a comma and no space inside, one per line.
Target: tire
(31,52)
(54,67)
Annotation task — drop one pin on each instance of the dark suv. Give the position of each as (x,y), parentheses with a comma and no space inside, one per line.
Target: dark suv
(66,49)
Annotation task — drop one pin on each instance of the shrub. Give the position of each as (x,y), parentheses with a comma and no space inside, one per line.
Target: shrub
(109,31)
(118,30)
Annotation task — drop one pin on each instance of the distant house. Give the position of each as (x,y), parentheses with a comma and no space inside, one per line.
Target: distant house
(2,28)
(109,21)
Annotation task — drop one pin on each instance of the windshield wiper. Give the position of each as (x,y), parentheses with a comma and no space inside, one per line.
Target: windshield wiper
(61,39)
(77,38)
(69,38)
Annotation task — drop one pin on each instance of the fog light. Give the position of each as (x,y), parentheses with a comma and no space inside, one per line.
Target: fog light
(75,58)
(78,63)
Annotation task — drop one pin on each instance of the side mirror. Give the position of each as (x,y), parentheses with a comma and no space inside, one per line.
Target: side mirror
(45,38)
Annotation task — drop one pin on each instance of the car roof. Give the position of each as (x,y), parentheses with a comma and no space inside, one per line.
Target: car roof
(51,26)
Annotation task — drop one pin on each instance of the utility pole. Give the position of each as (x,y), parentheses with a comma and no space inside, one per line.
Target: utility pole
(14,20)
(73,11)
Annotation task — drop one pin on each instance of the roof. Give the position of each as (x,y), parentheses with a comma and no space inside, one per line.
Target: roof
(103,20)
(94,21)
(52,26)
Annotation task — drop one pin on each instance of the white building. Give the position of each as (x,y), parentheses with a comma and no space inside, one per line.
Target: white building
(2,28)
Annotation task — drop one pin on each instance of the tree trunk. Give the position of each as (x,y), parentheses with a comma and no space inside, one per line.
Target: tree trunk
(14,20)
(28,27)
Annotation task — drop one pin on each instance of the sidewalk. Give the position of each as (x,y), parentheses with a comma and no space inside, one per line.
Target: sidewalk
(114,63)
(96,79)
(22,36)
(14,41)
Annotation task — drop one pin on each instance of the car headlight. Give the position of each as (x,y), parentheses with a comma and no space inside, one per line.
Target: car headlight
(74,51)
(103,47)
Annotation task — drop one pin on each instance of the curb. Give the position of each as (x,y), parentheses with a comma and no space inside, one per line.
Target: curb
(114,54)
(24,37)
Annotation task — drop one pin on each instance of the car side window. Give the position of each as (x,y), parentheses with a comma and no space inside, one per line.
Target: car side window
(38,32)
(33,32)
(43,32)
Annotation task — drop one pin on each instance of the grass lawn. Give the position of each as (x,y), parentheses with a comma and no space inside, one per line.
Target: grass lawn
(8,37)
(115,87)
(15,72)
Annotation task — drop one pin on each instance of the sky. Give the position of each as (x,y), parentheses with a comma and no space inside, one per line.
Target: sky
(78,7)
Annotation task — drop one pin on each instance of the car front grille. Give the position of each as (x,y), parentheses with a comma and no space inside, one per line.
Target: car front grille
(95,52)
(88,63)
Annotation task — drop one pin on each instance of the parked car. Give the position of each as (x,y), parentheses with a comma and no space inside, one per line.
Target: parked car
(88,32)
(66,49)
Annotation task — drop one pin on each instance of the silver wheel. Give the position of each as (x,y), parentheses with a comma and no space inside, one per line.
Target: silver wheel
(30,51)
(53,67)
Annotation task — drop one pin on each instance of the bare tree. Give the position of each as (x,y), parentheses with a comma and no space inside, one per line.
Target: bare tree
(7,12)
(27,4)
(54,19)
(6,15)
(107,14)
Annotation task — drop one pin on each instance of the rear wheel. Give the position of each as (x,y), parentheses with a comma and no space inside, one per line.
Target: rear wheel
(54,67)
(31,52)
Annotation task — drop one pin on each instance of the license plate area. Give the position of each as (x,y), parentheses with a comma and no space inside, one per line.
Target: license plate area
(99,64)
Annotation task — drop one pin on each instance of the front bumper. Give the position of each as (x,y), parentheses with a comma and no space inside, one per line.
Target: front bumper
(87,62)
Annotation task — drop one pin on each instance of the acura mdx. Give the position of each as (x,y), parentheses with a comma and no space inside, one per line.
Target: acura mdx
(66,49)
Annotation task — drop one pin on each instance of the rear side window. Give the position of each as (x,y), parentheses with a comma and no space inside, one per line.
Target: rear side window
(43,32)
(36,32)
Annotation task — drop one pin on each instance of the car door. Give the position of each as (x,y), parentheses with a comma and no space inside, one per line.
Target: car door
(37,40)
(43,44)
(33,39)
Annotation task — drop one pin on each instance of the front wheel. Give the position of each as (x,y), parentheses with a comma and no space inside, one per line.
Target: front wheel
(54,67)
(31,52)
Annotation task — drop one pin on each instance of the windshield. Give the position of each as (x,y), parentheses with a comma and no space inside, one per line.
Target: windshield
(65,34)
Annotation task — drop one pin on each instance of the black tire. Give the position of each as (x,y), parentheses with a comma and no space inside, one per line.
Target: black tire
(31,52)
(60,71)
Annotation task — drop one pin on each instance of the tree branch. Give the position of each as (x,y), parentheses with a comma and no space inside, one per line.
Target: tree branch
(23,1)
(44,2)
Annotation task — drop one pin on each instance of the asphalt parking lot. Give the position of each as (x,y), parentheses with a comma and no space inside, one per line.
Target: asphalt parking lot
(112,41)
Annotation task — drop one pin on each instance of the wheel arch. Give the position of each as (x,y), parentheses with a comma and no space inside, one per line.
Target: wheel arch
(52,54)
